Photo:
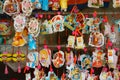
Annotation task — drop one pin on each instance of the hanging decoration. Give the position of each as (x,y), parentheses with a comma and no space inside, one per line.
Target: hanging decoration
(95,3)
(44,5)
(116,3)
(11,7)
(55,5)
(64,5)
(36,4)
(103,74)
(71,41)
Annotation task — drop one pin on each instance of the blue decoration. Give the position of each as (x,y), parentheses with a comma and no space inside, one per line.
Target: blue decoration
(44,4)
(31,42)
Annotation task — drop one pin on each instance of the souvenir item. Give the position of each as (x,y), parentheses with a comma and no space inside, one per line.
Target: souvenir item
(64,5)
(51,76)
(86,61)
(96,39)
(98,59)
(33,28)
(46,27)
(5,27)
(71,41)
(57,22)
(31,42)
(55,4)
(18,40)
(116,3)
(19,22)
(80,43)
(95,3)
(28,76)
(36,4)
(1,7)
(112,58)
(70,21)
(27,7)
(45,57)
(69,58)
(107,29)
(118,23)
(112,37)
(44,4)
(58,59)
(33,59)
(11,7)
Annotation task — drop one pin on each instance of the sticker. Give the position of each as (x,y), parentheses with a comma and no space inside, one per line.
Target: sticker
(18,40)
(19,22)
(58,59)
(11,8)
(27,7)
(71,41)
(45,57)
(96,39)
(33,59)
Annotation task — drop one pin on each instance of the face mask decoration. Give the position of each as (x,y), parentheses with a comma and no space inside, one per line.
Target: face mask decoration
(98,59)
(18,40)
(95,3)
(33,59)
(1,7)
(58,59)
(27,7)
(11,7)
(112,58)
(86,61)
(96,39)
(46,27)
(19,22)
(69,58)
(33,28)
(57,23)
(45,57)
(116,3)
(64,5)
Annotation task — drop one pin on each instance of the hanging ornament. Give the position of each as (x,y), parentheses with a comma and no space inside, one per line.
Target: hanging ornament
(107,29)
(5,57)
(103,74)
(112,58)
(18,40)
(19,22)
(36,74)
(33,59)
(80,43)
(69,58)
(118,23)
(64,5)
(84,74)
(86,61)
(44,5)
(42,74)
(96,39)
(95,3)
(55,5)
(28,76)
(36,3)
(57,23)
(58,59)
(31,42)
(116,74)
(109,77)
(98,58)
(45,57)
(71,41)
(33,28)
(27,7)
(116,3)
(11,7)
(1,7)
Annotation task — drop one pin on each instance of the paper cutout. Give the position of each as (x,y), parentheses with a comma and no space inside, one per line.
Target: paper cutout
(45,57)
(18,40)
(33,59)
(96,39)
(11,8)
(19,22)
(58,59)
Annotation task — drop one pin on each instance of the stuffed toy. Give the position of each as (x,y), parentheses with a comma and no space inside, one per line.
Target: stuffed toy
(64,5)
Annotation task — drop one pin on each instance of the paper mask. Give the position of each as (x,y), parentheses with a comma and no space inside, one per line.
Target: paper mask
(33,59)
(95,3)
(11,8)
(31,42)
(58,59)
(5,57)
(19,22)
(96,39)
(116,3)
(80,43)
(69,58)
(57,22)
(18,40)
(33,28)
(64,5)
(45,57)
(27,7)
(98,59)
(71,41)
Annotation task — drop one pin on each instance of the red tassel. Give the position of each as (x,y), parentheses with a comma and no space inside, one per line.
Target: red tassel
(6,70)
